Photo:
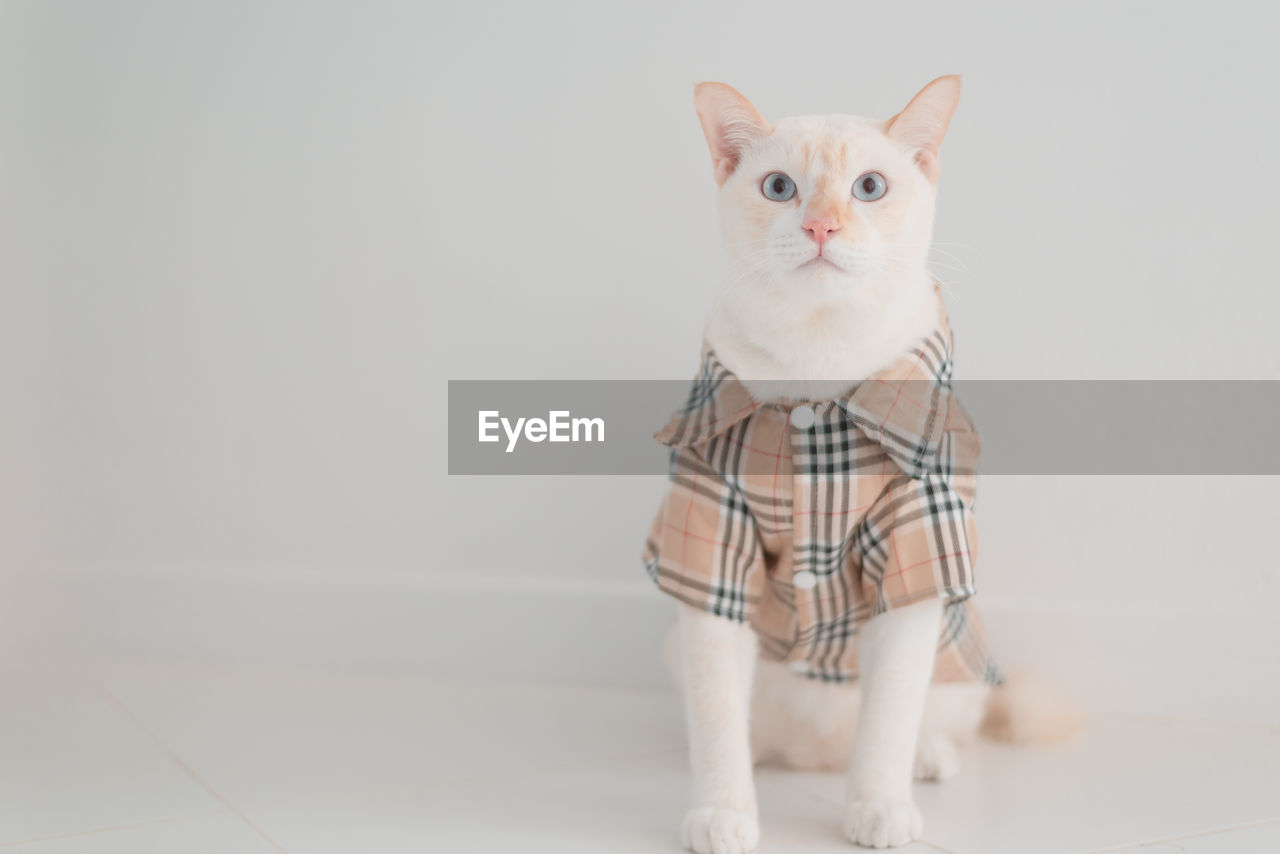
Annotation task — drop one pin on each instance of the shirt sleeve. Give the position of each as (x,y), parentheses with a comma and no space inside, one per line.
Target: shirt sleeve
(918,541)
(703,547)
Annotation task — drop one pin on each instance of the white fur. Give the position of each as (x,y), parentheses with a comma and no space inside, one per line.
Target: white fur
(717,662)
(895,661)
(798,317)
(809,725)
(785,325)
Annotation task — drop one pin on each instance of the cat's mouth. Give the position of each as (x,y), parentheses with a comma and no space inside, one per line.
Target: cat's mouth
(818,261)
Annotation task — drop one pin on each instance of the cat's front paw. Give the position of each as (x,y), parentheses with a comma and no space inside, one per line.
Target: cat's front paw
(718,830)
(882,823)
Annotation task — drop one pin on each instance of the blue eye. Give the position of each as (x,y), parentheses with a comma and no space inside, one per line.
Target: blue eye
(778,187)
(869,187)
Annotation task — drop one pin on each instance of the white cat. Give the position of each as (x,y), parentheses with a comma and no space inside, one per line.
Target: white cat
(827,223)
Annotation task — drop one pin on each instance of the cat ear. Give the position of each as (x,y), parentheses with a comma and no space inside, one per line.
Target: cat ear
(923,124)
(730,124)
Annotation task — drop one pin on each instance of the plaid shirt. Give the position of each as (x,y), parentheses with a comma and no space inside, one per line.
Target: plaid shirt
(806,520)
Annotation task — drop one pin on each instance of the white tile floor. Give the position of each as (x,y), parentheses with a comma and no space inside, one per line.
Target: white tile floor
(122,756)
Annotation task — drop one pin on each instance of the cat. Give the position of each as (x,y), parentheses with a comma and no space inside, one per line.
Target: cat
(827,223)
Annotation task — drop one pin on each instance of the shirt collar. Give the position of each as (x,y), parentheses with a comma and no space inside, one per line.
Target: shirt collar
(902,408)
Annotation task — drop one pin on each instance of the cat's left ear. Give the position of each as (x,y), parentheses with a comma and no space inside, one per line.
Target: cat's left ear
(923,124)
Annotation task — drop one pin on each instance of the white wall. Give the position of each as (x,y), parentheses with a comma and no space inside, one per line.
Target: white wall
(244,246)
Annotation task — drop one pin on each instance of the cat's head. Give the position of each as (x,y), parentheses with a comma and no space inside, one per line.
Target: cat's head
(822,206)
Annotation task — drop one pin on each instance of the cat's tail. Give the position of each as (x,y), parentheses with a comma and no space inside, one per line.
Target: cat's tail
(1029,709)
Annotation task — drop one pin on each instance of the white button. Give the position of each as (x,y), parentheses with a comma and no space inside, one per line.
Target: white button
(804,580)
(803,417)
(798,666)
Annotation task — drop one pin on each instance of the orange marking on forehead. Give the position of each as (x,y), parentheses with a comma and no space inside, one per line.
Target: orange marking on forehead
(832,153)
(825,159)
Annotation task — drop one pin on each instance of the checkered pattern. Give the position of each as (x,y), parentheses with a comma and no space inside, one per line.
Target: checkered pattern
(807,532)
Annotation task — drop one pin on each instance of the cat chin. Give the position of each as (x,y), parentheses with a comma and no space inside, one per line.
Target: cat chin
(827,280)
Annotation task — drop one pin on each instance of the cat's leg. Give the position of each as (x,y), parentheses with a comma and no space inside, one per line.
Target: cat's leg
(717,657)
(953,712)
(895,663)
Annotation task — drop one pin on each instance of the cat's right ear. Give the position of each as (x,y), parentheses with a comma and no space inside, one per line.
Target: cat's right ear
(729,122)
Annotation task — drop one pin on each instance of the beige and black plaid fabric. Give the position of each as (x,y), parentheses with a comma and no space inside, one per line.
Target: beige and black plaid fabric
(806,530)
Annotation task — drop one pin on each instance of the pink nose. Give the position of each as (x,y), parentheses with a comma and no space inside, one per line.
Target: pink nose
(821,230)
